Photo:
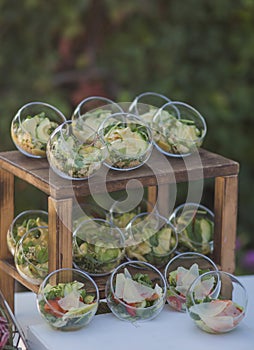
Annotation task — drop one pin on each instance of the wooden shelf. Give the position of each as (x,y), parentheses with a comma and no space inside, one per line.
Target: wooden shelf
(159,170)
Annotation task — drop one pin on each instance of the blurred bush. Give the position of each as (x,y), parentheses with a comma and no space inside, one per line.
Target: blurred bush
(200,52)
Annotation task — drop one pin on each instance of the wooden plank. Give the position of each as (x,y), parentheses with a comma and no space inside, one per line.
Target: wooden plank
(6,217)
(225,210)
(8,267)
(158,170)
(60,237)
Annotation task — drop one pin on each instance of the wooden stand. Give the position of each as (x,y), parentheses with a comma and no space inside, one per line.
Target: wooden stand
(160,171)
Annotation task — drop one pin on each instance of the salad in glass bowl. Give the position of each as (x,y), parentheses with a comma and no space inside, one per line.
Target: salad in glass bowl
(150,238)
(32,126)
(68,299)
(93,110)
(178,129)
(98,247)
(146,105)
(194,224)
(31,255)
(123,211)
(136,291)
(179,274)
(22,223)
(74,154)
(217,302)
(128,140)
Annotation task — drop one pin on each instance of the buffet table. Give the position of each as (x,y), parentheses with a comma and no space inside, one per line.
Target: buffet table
(170,330)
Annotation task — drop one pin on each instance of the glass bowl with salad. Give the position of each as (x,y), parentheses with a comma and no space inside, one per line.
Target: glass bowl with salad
(136,291)
(123,211)
(194,224)
(68,299)
(179,274)
(74,154)
(31,255)
(93,110)
(32,126)
(98,247)
(22,223)
(178,129)
(217,302)
(146,105)
(128,140)
(150,238)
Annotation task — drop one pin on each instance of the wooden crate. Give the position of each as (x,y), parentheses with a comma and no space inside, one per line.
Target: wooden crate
(61,193)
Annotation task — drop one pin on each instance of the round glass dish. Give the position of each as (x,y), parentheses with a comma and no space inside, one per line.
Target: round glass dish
(32,126)
(150,238)
(93,110)
(146,105)
(179,274)
(217,302)
(22,223)
(74,154)
(98,247)
(194,224)
(121,212)
(31,255)
(128,140)
(68,299)
(178,129)
(136,291)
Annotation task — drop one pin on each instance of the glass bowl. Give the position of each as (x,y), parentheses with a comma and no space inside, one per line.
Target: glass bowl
(128,140)
(194,224)
(150,238)
(31,255)
(146,104)
(178,129)
(217,302)
(32,126)
(23,222)
(74,154)
(93,110)
(179,274)
(121,212)
(98,247)
(136,291)
(68,299)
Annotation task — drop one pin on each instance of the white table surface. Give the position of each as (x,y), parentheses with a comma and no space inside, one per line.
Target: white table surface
(170,330)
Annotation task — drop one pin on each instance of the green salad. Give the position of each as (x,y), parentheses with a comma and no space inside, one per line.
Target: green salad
(20,228)
(135,297)
(150,241)
(195,234)
(97,249)
(71,157)
(33,133)
(176,136)
(31,255)
(128,144)
(67,306)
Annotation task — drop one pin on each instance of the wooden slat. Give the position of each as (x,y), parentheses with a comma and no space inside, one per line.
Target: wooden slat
(225,210)
(6,217)
(60,237)
(8,267)
(159,169)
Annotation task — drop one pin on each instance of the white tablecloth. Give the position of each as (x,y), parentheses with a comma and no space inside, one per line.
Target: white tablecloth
(170,330)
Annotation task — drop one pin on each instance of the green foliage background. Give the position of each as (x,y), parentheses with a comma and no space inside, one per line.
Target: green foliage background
(197,51)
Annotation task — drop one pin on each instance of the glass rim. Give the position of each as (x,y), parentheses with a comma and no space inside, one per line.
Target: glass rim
(19,244)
